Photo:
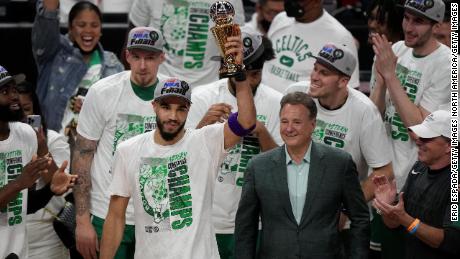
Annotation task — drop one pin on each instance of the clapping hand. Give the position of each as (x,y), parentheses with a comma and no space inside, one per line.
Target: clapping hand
(385,59)
(62,181)
(384,191)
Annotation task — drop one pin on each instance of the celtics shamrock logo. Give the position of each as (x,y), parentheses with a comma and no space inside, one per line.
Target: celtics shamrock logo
(338,54)
(247,42)
(154,192)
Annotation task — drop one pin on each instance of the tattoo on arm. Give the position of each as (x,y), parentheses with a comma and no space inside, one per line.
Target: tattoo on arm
(83,155)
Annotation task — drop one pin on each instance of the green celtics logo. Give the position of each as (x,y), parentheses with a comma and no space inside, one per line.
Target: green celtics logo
(154,36)
(154,192)
(429,4)
(247,42)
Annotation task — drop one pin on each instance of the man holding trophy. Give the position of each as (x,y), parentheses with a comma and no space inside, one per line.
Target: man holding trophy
(170,172)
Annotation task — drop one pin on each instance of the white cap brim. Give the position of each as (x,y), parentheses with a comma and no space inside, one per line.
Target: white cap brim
(424,132)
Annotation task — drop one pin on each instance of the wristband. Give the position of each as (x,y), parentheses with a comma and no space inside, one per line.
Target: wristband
(413,226)
(236,127)
(414,229)
(240,76)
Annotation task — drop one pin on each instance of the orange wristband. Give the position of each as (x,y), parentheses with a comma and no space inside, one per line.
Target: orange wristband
(413,225)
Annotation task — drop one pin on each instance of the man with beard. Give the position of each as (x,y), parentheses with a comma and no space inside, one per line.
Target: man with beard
(170,174)
(116,108)
(266,10)
(412,79)
(212,103)
(297,35)
(20,169)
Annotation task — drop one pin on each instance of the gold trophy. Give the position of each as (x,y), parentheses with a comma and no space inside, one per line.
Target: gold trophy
(222,13)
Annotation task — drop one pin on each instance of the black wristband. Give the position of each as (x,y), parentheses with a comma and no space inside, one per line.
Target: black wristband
(240,76)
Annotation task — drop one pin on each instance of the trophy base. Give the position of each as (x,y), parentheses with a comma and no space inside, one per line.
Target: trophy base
(226,74)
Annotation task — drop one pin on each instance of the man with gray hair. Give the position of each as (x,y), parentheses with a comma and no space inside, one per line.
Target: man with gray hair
(298,191)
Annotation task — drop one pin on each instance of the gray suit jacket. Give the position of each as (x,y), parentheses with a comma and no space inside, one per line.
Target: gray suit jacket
(332,181)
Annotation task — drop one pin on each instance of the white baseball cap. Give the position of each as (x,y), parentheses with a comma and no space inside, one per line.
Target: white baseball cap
(436,124)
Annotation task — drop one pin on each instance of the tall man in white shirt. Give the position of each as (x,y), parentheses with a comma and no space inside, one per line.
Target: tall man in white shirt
(116,108)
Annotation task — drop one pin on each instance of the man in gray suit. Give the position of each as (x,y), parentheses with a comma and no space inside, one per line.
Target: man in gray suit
(299,190)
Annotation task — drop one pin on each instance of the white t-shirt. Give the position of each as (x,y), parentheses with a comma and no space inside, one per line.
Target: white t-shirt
(427,83)
(172,189)
(356,127)
(43,241)
(15,152)
(231,172)
(111,114)
(185,25)
(295,43)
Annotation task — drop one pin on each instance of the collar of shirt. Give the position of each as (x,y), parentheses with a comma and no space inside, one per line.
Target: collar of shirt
(306,157)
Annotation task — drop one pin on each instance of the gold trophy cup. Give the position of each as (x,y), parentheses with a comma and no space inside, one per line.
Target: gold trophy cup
(222,13)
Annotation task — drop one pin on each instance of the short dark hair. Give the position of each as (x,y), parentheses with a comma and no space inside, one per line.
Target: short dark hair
(300,98)
(81,6)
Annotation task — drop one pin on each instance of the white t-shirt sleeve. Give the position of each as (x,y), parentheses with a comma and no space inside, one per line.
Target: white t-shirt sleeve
(91,120)
(373,142)
(140,13)
(121,184)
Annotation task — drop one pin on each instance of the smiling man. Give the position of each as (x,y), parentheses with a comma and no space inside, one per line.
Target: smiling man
(298,190)
(347,119)
(412,79)
(116,108)
(424,205)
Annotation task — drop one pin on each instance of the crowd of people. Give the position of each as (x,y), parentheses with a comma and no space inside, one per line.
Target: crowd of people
(155,155)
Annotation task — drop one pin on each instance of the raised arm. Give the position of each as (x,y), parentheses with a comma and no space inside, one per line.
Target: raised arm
(245,102)
(45,31)
(385,64)
(85,234)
